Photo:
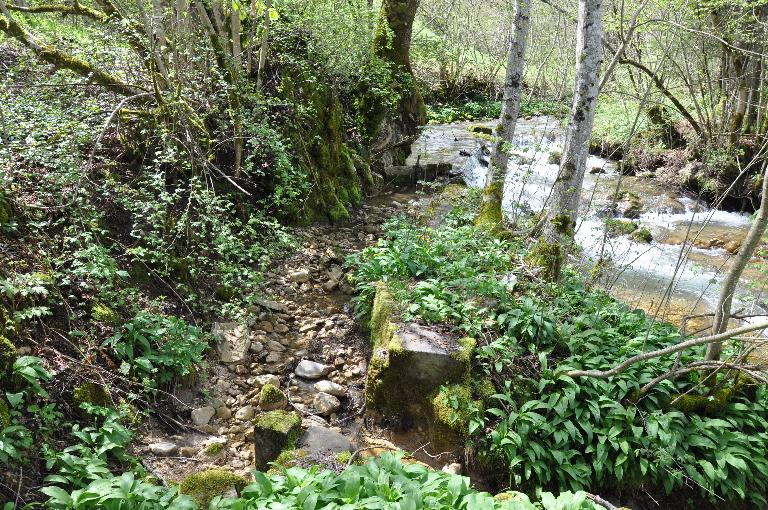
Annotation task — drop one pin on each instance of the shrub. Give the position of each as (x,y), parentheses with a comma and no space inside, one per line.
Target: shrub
(157,349)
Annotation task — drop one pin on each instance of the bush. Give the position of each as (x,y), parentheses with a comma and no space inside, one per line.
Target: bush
(157,349)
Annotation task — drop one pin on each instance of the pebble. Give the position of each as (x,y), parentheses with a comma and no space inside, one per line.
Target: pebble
(311,369)
(331,388)
(223,413)
(257,347)
(265,379)
(275,346)
(453,468)
(326,403)
(245,413)
(202,415)
(300,276)
(164,449)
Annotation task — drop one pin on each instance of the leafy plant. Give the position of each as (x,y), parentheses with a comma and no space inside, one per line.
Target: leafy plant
(157,348)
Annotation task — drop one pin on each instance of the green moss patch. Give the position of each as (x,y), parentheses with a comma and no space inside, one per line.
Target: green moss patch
(7,357)
(206,485)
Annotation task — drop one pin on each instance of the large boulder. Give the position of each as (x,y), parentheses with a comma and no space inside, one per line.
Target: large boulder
(410,364)
(232,341)
(274,432)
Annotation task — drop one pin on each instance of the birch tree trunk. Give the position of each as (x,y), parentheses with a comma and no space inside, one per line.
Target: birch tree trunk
(566,192)
(490,212)
(725,301)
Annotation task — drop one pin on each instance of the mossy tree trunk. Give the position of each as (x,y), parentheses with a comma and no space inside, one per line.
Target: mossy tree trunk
(728,289)
(392,43)
(490,212)
(566,192)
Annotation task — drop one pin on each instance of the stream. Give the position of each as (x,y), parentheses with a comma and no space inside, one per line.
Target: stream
(668,277)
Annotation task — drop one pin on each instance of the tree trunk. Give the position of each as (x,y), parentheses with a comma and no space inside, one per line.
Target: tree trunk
(395,130)
(725,301)
(566,192)
(490,213)
(264,46)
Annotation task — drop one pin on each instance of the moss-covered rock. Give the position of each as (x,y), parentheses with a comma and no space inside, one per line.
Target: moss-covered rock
(616,227)
(206,485)
(642,235)
(91,393)
(272,398)
(5,210)
(274,432)
(336,171)
(5,414)
(409,365)
(102,313)
(7,357)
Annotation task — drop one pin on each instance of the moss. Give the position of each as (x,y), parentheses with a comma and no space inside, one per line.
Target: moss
(466,348)
(214,448)
(7,357)
(271,394)
(478,128)
(554,157)
(5,210)
(548,256)
(615,227)
(344,457)
(102,313)
(490,214)
(450,407)
(206,485)
(91,393)
(700,404)
(5,414)
(290,457)
(642,235)
(285,422)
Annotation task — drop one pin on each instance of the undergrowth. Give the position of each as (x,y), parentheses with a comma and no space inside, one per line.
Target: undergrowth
(549,430)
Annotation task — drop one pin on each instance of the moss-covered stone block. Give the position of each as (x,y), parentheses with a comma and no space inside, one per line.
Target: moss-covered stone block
(409,365)
(206,485)
(274,432)
(5,210)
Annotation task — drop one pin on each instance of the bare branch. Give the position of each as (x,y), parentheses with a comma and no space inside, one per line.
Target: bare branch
(76,9)
(602,374)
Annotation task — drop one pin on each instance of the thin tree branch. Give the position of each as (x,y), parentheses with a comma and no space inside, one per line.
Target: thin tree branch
(602,374)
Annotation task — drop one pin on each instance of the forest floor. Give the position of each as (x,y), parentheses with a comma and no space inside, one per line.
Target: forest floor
(307,316)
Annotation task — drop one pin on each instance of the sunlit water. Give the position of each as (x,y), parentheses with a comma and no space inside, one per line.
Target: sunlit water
(668,277)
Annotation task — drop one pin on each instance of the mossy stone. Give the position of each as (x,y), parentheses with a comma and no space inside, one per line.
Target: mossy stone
(206,485)
(274,432)
(271,398)
(102,313)
(5,414)
(91,393)
(5,210)
(409,365)
(7,358)
(642,235)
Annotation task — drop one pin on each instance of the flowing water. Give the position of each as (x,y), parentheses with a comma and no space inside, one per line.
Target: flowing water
(668,277)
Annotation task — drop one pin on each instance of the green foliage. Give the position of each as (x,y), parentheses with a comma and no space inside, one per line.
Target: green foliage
(157,349)
(556,432)
(441,274)
(124,492)
(88,459)
(383,482)
(26,295)
(484,110)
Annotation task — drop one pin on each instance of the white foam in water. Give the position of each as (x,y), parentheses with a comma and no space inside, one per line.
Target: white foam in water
(647,268)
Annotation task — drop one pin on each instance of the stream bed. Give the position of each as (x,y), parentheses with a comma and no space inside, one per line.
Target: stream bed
(668,277)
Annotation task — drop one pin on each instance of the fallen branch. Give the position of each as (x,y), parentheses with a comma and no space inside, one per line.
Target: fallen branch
(602,374)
